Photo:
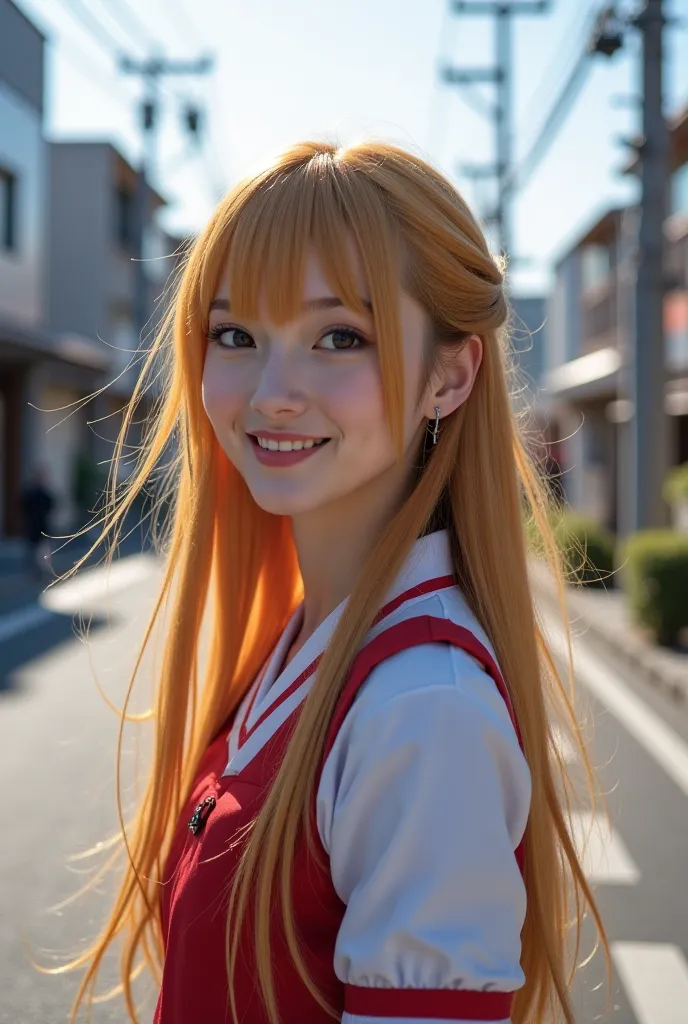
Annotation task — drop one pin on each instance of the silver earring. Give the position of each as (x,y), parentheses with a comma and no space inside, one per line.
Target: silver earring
(434,430)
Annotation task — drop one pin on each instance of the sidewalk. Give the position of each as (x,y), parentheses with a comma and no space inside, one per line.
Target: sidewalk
(18,583)
(603,615)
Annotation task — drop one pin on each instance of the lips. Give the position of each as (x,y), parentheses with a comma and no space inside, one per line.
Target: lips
(275,457)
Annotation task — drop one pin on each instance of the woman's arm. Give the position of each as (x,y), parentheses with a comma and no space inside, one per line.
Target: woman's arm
(422,802)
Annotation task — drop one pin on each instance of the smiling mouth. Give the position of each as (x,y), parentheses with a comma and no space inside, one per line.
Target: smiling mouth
(272,445)
(282,454)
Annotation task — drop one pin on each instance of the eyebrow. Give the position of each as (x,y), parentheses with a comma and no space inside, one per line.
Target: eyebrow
(326,302)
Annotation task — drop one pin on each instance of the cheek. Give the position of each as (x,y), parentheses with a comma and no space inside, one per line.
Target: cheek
(222,391)
(353,397)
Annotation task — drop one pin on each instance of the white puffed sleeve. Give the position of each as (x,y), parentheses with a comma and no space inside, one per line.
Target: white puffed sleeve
(422,802)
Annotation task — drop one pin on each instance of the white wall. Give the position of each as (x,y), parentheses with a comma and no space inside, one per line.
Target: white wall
(22,152)
(61,434)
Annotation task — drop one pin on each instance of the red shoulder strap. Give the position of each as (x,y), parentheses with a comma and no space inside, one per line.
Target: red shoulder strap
(422,629)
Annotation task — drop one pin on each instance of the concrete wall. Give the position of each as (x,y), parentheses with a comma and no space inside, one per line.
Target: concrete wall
(21,55)
(564,314)
(529,335)
(23,154)
(79,237)
(62,433)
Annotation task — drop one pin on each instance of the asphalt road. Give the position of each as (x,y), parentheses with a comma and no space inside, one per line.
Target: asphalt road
(57,750)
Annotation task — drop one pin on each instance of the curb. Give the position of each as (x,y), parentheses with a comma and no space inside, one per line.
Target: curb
(629,648)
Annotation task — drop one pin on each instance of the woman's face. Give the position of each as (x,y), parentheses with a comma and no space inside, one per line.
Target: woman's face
(315,384)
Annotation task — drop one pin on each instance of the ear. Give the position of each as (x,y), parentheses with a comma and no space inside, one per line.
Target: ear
(453,382)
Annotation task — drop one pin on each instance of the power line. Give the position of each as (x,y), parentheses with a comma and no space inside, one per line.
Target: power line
(93,26)
(477,102)
(139,35)
(139,29)
(604,35)
(94,71)
(573,39)
(107,41)
(553,121)
(211,164)
(500,75)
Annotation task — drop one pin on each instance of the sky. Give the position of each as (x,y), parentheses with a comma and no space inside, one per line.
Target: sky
(287,70)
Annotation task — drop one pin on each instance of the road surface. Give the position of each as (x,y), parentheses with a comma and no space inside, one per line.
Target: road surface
(57,743)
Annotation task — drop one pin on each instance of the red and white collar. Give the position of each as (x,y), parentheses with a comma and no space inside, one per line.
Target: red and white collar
(429,560)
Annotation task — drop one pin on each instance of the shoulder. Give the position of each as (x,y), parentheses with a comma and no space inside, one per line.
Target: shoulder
(429,712)
(446,673)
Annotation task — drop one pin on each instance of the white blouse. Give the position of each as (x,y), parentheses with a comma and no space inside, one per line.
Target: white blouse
(422,801)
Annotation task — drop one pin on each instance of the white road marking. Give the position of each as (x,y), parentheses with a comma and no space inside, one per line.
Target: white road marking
(68,597)
(95,584)
(645,725)
(603,853)
(655,978)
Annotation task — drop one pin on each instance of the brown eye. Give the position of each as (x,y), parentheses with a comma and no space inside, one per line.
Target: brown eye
(230,337)
(344,339)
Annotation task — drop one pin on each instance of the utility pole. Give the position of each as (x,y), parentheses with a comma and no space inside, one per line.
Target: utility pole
(500,74)
(645,366)
(151,71)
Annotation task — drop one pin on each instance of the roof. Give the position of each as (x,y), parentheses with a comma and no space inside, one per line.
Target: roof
(599,231)
(127,169)
(678,143)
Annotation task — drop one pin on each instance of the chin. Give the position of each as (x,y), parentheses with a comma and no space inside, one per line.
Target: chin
(286,504)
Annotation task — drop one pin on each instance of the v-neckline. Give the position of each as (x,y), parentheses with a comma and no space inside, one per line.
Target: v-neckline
(280,688)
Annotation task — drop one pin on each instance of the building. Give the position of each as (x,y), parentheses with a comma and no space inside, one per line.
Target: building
(527,336)
(39,368)
(92,268)
(590,320)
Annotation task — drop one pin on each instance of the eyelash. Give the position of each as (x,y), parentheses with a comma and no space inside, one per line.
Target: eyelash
(216,332)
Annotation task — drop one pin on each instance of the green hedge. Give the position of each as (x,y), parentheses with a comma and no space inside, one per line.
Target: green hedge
(656,581)
(587,548)
(676,485)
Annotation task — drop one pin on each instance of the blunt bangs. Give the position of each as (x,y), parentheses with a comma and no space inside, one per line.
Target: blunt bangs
(328,204)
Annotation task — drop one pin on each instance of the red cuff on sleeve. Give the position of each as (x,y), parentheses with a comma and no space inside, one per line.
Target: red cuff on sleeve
(441,1003)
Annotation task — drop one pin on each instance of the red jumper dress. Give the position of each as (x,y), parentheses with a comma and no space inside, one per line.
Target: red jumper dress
(201,863)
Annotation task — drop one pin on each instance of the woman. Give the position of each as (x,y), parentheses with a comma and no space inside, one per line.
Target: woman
(359,814)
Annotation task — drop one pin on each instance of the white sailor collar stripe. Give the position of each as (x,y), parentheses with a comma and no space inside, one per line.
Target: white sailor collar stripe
(429,559)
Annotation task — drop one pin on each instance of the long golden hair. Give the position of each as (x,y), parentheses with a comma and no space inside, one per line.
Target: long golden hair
(237,564)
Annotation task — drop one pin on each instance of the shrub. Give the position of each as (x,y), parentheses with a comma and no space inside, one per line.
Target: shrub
(676,485)
(656,581)
(587,548)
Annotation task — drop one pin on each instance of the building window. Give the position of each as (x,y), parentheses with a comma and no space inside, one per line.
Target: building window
(125,215)
(8,210)
(596,266)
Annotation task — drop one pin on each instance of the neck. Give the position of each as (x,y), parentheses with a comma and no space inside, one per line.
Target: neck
(334,542)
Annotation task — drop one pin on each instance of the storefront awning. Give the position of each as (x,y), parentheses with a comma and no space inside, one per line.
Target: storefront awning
(595,375)
(21,343)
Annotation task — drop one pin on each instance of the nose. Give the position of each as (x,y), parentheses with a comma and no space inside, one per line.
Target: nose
(278,392)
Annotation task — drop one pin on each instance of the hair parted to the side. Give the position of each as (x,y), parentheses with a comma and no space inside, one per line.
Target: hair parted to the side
(411,229)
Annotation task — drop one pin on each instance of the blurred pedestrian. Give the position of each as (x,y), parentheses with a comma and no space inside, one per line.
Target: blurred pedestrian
(38,502)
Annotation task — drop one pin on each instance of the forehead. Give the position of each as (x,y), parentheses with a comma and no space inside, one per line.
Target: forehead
(315,284)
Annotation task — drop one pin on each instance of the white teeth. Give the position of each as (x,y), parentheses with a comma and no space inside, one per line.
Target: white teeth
(287,446)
